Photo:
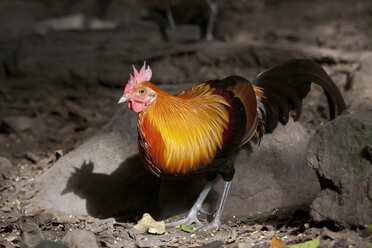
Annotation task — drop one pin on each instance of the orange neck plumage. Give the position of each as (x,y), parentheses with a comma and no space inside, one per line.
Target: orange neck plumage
(183,132)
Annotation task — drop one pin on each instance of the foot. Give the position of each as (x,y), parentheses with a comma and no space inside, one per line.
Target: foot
(212,226)
(191,218)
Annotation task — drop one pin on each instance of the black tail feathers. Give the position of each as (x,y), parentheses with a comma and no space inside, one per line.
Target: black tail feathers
(284,86)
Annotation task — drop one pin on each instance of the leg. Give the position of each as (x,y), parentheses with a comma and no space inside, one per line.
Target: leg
(216,221)
(192,216)
(227,175)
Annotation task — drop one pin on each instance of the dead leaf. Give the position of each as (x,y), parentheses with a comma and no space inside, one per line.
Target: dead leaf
(277,243)
(148,224)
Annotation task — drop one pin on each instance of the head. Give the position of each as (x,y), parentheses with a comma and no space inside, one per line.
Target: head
(136,93)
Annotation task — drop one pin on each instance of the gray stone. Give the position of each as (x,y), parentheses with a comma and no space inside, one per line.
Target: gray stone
(21,124)
(5,167)
(72,22)
(31,233)
(80,239)
(340,153)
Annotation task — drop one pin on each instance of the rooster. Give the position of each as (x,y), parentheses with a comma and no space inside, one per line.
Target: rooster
(198,131)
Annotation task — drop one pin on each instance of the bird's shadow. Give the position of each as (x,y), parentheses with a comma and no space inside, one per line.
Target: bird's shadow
(126,193)
(131,190)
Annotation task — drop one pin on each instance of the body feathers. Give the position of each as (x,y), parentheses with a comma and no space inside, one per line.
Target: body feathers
(182,133)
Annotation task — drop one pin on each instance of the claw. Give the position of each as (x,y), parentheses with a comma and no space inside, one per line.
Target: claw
(213,226)
(186,221)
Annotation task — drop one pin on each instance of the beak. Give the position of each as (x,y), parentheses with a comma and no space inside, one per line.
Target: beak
(123,99)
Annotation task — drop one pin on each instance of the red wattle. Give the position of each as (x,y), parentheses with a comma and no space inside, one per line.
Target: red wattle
(136,106)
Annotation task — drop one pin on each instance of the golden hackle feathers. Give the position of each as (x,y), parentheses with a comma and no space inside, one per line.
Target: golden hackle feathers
(190,124)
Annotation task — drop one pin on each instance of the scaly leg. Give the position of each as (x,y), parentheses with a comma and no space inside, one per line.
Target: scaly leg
(216,221)
(192,216)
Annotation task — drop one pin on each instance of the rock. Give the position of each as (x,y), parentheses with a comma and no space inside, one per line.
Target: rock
(339,154)
(72,22)
(275,175)
(50,244)
(31,233)
(5,167)
(21,124)
(359,93)
(184,33)
(32,157)
(80,239)
(104,177)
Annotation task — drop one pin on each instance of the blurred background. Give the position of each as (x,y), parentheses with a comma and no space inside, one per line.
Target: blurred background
(64,63)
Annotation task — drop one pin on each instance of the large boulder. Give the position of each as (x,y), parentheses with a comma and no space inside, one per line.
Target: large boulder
(341,154)
(104,177)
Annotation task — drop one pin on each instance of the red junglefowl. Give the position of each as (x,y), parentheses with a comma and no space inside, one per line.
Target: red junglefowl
(197,131)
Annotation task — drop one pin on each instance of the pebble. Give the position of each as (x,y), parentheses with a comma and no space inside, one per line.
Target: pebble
(32,157)
(307,226)
(5,166)
(80,239)
(258,227)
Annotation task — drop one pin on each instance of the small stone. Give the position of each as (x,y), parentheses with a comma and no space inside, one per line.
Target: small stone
(19,124)
(270,234)
(57,155)
(32,157)
(80,239)
(5,166)
(31,233)
(258,227)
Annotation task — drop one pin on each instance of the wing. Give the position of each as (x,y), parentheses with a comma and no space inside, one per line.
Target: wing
(243,111)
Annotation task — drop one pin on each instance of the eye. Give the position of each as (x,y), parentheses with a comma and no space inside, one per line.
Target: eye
(141,91)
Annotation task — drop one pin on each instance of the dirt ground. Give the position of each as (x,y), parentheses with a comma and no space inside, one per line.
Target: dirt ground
(43,115)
